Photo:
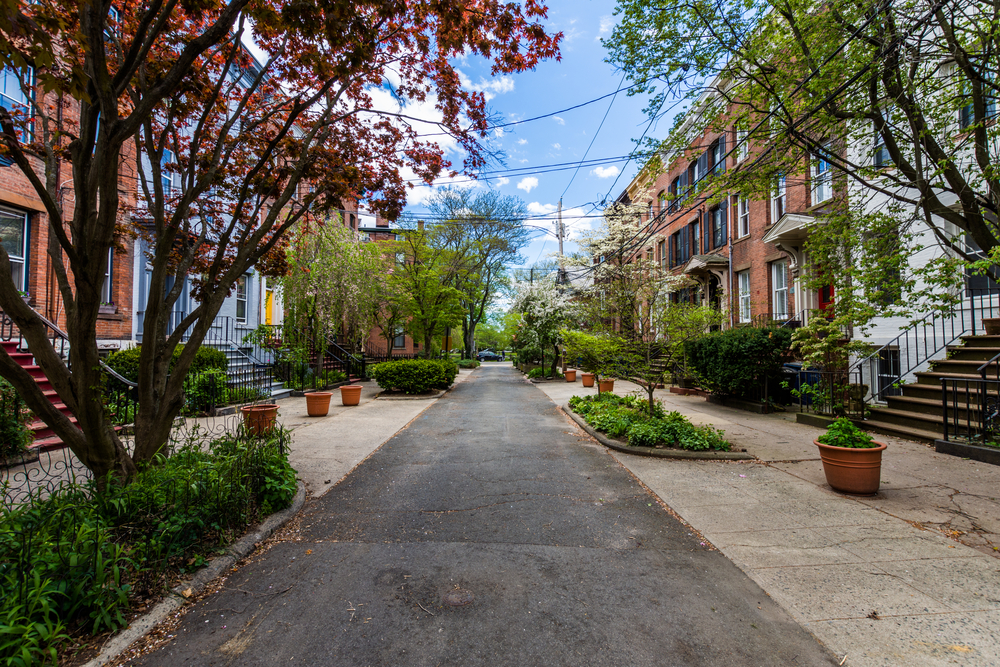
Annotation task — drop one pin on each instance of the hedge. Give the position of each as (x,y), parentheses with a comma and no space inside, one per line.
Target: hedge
(126,362)
(415,376)
(736,362)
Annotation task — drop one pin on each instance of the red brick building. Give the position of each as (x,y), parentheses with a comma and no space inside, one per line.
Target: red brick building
(24,227)
(742,255)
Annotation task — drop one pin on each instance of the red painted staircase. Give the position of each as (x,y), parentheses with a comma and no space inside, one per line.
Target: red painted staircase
(45,438)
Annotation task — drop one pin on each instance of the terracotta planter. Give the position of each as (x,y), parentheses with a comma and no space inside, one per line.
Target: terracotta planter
(259,419)
(318,403)
(588,379)
(605,385)
(992,326)
(570,376)
(852,470)
(350,394)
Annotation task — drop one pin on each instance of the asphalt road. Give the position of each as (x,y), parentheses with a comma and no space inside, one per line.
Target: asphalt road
(489,533)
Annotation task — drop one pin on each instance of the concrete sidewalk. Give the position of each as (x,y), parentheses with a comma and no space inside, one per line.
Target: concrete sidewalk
(325,449)
(907,577)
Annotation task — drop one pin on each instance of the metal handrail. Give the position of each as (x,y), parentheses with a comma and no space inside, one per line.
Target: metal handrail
(982,369)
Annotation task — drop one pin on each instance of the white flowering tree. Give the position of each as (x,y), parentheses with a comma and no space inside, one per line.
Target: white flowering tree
(628,303)
(544,310)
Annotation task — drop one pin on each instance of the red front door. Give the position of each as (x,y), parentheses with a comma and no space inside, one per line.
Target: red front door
(826,297)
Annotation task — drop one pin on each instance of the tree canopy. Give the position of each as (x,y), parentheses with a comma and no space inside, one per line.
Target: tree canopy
(229,151)
(897,99)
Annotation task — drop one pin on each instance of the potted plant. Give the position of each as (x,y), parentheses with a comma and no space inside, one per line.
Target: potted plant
(588,379)
(605,384)
(350,394)
(992,326)
(570,375)
(852,460)
(318,403)
(259,419)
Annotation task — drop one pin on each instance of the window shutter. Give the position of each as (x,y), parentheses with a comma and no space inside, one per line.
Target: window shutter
(725,216)
(703,165)
(722,153)
(685,244)
(707,231)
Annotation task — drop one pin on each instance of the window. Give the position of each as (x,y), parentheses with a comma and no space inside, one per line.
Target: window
(674,195)
(779,290)
(695,237)
(354,222)
(715,228)
(400,338)
(717,155)
(13,99)
(743,208)
(744,282)
(888,373)
(241,299)
(401,258)
(14,237)
(166,177)
(778,199)
(662,250)
(742,145)
(966,115)
(106,294)
(675,249)
(822,178)
(880,156)
(661,201)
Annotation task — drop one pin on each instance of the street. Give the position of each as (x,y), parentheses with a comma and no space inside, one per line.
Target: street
(488,533)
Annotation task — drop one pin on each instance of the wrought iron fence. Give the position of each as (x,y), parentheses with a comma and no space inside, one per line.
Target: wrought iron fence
(830,393)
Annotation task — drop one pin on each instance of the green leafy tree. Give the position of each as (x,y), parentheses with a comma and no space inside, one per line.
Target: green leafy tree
(898,99)
(486,232)
(423,282)
(642,332)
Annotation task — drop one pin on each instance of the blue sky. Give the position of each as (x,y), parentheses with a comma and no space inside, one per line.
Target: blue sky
(582,75)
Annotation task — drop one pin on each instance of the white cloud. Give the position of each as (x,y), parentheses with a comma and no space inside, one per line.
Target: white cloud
(495,86)
(556,146)
(527,184)
(607,23)
(503,180)
(498,132)
(559,120)
(536,208)
(521,142)
(605,172)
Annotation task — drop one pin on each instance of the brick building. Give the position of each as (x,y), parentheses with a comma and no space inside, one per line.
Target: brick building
(24,225)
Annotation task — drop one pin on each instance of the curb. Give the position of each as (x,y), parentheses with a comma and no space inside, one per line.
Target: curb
(380,396)
(649,451)
(138,628)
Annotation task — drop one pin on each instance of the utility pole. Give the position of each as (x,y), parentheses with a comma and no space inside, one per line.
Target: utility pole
(560,230)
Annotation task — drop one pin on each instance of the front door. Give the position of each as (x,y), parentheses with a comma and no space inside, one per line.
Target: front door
(826,297)
(268,306)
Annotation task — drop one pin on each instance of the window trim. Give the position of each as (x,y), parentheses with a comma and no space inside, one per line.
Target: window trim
(745,314)
(782,290)
(244,282)
(22,259)
(742,217)
(779,194)
(821,180)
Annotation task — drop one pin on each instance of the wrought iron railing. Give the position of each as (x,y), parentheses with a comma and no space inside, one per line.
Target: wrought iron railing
(971,410)
(829,393)
(923,340)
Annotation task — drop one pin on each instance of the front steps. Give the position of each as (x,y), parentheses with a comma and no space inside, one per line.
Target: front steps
(918,413)
(45,437)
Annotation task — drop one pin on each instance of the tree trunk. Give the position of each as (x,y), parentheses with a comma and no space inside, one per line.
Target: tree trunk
(427,346)
(555,361)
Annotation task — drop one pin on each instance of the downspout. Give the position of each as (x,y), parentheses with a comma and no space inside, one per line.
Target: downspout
(732,319)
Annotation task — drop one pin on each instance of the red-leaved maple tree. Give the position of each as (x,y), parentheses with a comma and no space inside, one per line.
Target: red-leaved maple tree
(153,119)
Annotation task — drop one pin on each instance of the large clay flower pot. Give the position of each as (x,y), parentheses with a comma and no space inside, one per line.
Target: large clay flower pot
(318,403)
(605,385)
(259,419)
(350,394)
(588,379)
(852,470)
(992,326)
(570,376)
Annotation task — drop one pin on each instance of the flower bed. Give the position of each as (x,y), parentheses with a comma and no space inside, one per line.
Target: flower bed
(627,417)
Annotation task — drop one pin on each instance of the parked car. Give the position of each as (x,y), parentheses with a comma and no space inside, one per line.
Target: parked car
(488,355)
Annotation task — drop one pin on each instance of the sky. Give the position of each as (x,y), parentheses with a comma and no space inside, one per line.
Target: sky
(581,76)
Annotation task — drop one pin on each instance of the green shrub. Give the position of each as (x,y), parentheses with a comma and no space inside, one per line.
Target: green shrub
(15,436)
(468,363)
(126,362)
(76,559)
(627,416)
(843,433)
(415,376)
(206,390)
(738,361)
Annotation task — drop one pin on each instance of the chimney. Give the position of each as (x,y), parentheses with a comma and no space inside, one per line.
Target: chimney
(420,225)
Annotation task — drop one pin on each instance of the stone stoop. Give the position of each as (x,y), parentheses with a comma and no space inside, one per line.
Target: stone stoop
(918,413)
